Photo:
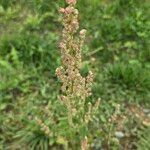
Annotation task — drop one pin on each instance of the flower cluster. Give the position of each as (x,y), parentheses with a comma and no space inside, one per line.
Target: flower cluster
(43,126)
(116,113)
(75,88)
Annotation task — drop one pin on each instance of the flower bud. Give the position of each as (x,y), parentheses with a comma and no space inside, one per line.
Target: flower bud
(82,32)
(71,2)
(76,11)
(69,10)
(62,45)
(62,10)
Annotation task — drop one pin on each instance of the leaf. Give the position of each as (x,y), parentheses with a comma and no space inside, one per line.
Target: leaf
(103,119)
(3,106)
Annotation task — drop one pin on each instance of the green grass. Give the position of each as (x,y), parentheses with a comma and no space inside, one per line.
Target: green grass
(117,50)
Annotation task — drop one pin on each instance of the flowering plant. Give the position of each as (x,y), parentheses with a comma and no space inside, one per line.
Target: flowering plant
(75,88)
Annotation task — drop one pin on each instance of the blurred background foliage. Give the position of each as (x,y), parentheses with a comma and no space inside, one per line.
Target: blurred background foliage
(117,49)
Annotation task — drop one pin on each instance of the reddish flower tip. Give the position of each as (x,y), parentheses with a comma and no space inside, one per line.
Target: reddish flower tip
(62,10)
(71,2)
